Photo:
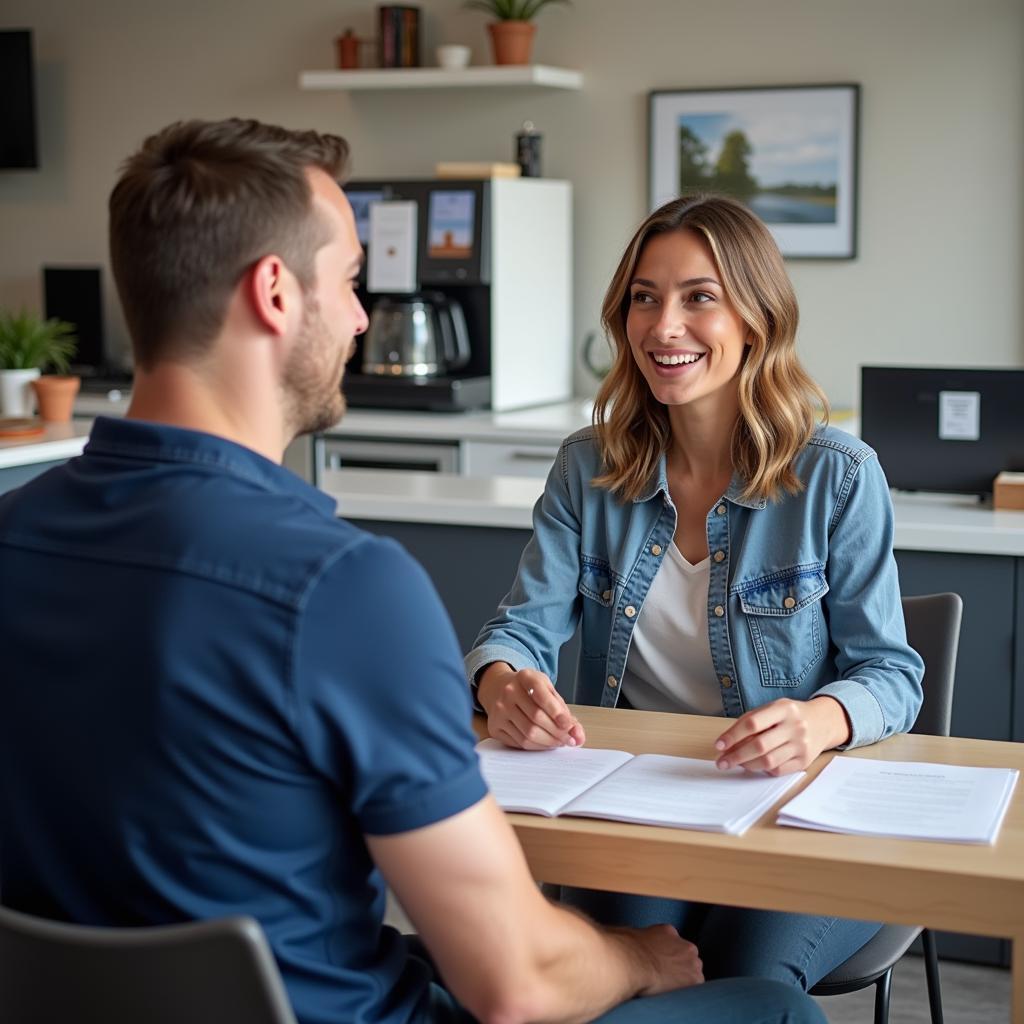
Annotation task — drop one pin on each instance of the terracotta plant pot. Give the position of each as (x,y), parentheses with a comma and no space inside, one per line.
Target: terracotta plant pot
(512,41)
(55,396)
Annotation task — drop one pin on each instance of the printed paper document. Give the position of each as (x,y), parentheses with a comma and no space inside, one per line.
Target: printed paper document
(646,789)
(904,799)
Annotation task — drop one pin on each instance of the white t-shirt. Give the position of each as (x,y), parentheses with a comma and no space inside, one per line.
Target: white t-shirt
(669,666)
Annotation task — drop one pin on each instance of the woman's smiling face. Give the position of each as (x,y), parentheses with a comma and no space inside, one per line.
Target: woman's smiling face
(685,334)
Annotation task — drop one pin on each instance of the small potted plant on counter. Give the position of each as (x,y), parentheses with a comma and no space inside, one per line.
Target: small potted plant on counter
(513,29)
(28,345)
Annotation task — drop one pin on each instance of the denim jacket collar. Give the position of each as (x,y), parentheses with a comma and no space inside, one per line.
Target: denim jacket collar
(659,485)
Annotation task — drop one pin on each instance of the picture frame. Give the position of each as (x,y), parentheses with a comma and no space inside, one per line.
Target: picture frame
(789,152)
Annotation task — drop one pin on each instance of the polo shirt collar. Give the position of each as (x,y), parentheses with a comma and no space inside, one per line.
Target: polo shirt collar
(157,442)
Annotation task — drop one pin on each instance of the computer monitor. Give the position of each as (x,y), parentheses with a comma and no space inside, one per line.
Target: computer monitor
(18,142)
(75,294)
(948,430)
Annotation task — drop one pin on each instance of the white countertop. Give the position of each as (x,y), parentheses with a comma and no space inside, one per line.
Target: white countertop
(449,498)
(542,424)
(59,441)
(923,522)
(947,522)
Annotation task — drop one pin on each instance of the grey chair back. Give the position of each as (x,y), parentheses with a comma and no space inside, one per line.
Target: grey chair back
(206,972)
(933,630)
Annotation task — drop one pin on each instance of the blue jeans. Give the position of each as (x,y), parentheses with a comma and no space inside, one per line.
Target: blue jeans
(797,949)
(736,1001)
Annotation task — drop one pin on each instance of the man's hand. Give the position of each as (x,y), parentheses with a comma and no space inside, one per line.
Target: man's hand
(524,710)
(669,962)
(784,736)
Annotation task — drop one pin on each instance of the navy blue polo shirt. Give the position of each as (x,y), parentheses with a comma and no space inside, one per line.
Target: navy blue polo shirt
(211,690)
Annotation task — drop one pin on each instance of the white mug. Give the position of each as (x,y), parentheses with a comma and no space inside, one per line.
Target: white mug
(453,56)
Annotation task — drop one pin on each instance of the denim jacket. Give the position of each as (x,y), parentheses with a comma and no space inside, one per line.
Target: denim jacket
(803,597)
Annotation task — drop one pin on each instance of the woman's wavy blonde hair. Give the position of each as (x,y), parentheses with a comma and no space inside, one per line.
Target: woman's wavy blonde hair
(777,397)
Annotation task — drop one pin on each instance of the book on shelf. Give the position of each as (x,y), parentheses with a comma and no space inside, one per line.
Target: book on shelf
(476,169)
(644,789)
(904,800)
(398,36)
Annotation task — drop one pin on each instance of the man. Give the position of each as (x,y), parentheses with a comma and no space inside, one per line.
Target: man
(219,698)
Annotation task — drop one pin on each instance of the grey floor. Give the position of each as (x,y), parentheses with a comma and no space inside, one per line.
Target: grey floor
(970,994)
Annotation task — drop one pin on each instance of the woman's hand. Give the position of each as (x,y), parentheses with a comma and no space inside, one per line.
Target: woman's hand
(524,710)
(784,736)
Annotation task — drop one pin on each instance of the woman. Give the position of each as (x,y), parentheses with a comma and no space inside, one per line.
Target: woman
(722,554)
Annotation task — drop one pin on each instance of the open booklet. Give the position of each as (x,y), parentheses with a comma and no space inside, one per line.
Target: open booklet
(646,789)
(905,800)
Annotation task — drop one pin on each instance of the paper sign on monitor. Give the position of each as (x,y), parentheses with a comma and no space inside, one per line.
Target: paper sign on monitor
(959,415)
(392,247)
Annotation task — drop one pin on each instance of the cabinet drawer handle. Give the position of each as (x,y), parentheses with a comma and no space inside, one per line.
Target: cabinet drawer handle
(534,456)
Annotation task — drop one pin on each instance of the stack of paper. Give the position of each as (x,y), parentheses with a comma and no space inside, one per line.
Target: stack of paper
(904,799)
(648,789)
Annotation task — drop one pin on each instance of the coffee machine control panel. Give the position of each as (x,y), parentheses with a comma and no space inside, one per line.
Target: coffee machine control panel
(451,226)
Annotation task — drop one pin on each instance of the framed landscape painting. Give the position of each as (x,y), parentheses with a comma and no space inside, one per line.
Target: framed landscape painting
(788,152)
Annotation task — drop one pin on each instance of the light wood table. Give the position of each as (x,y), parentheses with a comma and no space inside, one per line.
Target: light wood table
(978,890)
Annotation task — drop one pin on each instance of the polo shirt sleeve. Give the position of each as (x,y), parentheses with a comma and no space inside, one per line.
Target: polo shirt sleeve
(380,694)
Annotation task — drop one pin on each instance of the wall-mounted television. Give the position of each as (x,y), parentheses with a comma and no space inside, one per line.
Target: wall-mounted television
(18,144)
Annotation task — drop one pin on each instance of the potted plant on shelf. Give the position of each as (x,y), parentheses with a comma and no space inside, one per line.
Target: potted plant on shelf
(28,345)
(513,29)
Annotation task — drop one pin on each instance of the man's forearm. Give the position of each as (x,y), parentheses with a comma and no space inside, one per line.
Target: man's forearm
(581,971)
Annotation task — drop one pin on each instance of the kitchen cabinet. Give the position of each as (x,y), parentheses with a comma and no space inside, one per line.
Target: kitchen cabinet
(494,458)
(983,695)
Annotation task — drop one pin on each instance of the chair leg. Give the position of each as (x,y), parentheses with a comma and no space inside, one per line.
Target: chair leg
(883,989)
(931,968)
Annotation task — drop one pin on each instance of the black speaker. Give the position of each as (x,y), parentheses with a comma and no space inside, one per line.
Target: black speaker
(75,294)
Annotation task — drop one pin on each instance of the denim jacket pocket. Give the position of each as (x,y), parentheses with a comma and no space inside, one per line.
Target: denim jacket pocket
(597,588)
(785,620)
(596,581)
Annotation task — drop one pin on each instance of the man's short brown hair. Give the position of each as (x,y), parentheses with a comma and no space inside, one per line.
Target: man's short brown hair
(195,208)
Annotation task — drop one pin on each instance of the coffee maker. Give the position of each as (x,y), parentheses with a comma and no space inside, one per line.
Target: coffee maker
(468,286)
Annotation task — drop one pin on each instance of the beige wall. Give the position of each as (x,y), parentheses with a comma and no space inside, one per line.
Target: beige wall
(939,273)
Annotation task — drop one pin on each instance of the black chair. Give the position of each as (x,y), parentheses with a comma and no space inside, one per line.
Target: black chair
(206,972)
(933,630)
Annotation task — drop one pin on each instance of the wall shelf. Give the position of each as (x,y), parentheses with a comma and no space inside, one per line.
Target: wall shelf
(509,76)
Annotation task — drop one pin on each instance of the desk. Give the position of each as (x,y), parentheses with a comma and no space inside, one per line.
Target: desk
(974,889)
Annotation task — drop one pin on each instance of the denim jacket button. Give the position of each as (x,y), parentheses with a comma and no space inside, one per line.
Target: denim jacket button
(629,611)
(719,610)
(726,682)
(607,595)
(720,511)
(790,602)
(613,682)
(719,556)
(655,549)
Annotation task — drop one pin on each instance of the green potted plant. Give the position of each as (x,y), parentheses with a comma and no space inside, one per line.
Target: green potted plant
(28,345)
(513,29)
